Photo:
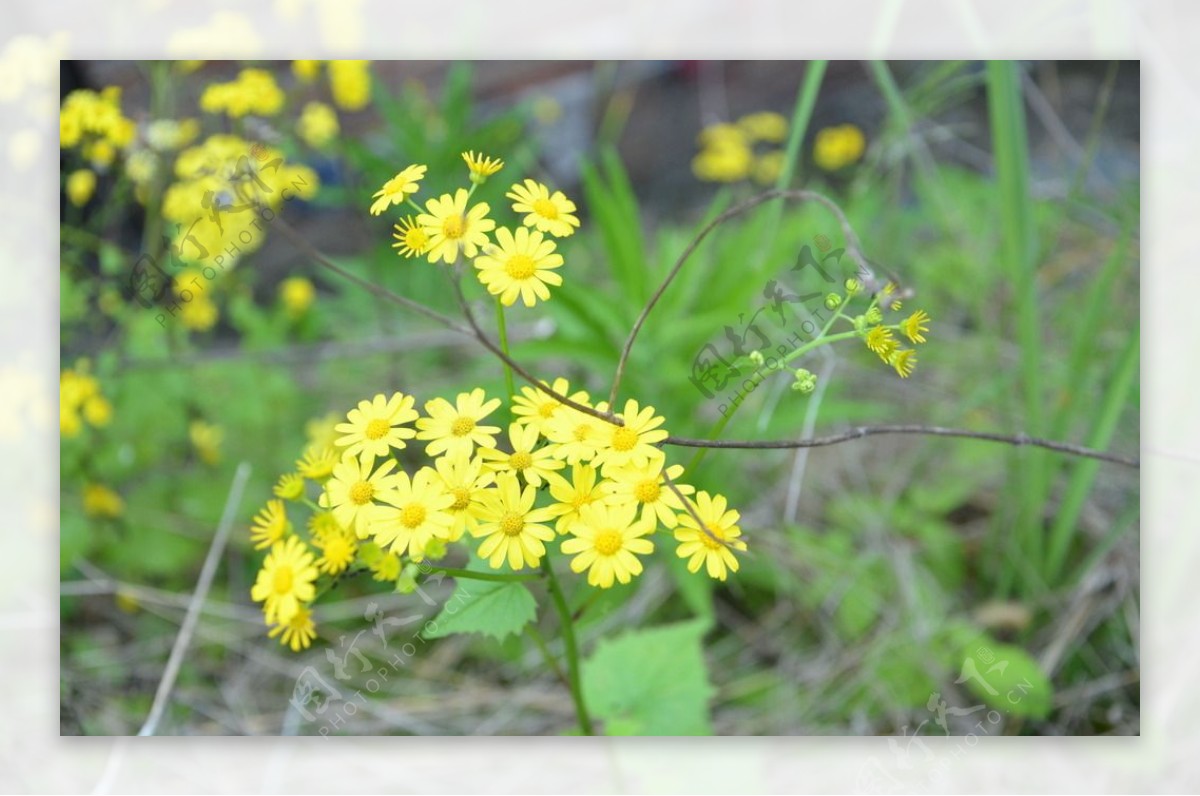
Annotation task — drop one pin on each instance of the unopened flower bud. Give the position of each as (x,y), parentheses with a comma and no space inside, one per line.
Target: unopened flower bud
(833,301)
(435,549)
(874,315)
(757,358)
(407,582)
(806,381)
(853,286)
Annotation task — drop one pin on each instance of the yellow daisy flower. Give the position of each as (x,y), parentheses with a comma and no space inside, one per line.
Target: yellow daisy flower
(577,436)
(764,126)
(604,542)
(337,551)
(519,265)
(915,326)
(465,479)
(411,240)
(452,228)
(318,462)
(375,427)
(903,361)
(351,490)
(549,212)
(880,340)
(270,525)
(632,443)
(535,408)
(571,496)
(398,189)
(511,528)
(100,501)
(533,464)
(455,429)
(713,549)
(285,580)
(290,486)
(644,487)
(296,633)
(322,525)
(417,511)
(481,166)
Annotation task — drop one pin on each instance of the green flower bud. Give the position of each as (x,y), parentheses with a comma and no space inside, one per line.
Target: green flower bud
(757,358)
(833,301)
(853,286)
(407,582)
(860,323)
(874,315)
(435,549)
(806,381)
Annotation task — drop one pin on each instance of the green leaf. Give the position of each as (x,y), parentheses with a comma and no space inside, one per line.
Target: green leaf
(650,682)
(492,608)
(1006,678)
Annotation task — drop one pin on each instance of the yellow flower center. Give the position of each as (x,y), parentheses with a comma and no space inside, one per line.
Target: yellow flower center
(462,427)
(462,498)
(415,239)
(546,209)
(608,542)
(520,460)
(512,524)
(377,428)
(647,491)
(582,432)
(623,439)
(412,515)
(709,541)
(547,409)
(580,500)
(519,266)
(283,580)
(452,227)
(362,492)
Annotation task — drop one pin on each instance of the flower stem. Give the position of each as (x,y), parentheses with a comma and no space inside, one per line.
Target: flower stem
(503,331)
(568,631)
(473,575)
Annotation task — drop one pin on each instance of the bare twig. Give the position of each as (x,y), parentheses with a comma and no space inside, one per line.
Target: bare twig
(163,694)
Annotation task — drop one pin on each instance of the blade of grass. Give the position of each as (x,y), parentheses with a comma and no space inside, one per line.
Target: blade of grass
(1066,524)
(1018,255)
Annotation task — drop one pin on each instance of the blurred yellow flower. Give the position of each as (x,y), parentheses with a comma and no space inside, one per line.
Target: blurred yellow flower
(254,91)
(903,361)
(297,295)
(350,83)
(102,502)
(270,525)
(411,240)
(290,486)
(298,632)
(337,552)
(199,314)
(80,186)
(97,411)
(764,126)
(317,125)
(915,326)
(206,439)
(306,71)
(838,147)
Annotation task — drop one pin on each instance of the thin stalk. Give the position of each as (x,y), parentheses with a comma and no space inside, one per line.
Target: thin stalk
(494,576)
(568,631)
(502,330)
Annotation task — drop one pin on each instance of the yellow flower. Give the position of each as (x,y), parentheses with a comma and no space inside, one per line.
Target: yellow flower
(206,439)
(290,486)
(385,568)
(296,633)
(322,525)
(455,429)
(451,228)
(417,512)
(285,580)
(337,551)
(764,126)
(481,166)
(351,490)
(375,427)
(297,295)
(634,442)
(270,525)
(321,432)
(768,167)
(511,528)
(903,361)
(317,125)
(533,464)
(577,436)
(644,487)
(725,154)
(100,501)
(549,212)
(888,299)
(97,411)
(398,189)
(837,147)
(80,186)
(571,496)
(915,326)
(306,71)
(254,91)
(464,479)
(519,265)
(350,83)
(604,541)
(880,340)
(713,549)
(411,240)
(535,408)
(317,462)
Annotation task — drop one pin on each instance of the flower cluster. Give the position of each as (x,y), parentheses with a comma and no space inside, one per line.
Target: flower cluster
(94,123)
(728,150)
(838,146)
(254,91)
(599,490)
(515,262)
(349,81)
(80,400)
(880,337)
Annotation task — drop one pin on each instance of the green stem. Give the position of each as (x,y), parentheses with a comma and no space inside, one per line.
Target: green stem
(544,648)
(503,331)
(568,630)
(473,575)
